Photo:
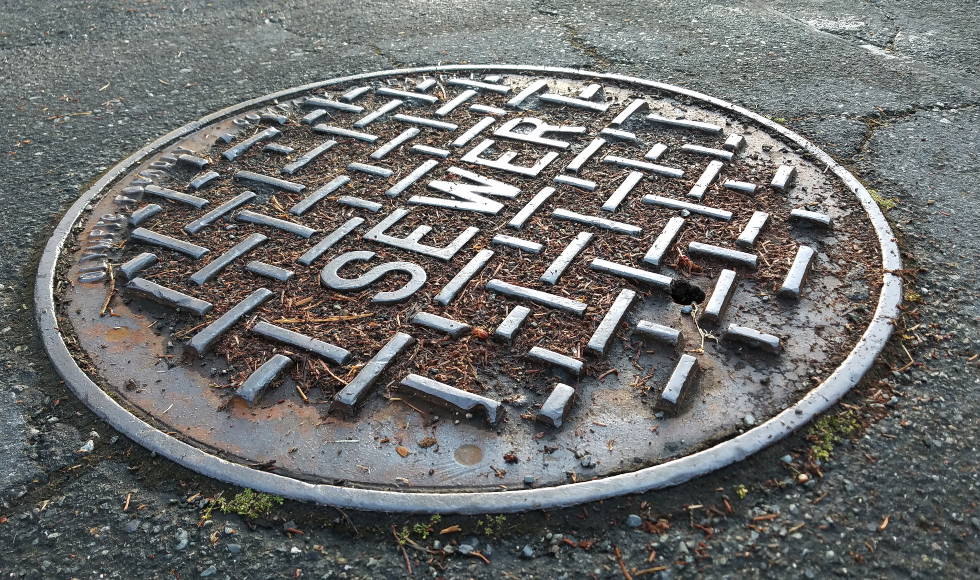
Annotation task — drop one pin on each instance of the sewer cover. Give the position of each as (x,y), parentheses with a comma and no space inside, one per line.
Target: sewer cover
(468,289)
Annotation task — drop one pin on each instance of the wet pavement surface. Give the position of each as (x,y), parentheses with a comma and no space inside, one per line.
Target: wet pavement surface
(890,90)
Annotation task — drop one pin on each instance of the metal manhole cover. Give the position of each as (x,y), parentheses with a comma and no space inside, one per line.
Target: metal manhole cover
(468,282)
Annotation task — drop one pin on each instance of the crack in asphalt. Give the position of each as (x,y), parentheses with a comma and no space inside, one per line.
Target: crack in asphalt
(590,50)
(394,62)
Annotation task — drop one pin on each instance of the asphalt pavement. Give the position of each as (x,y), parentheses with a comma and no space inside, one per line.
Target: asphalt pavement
(890,89)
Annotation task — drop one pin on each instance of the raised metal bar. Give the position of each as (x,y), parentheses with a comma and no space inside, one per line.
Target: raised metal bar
(451,327)
(383,110)
(604,333)
(512,323)
(259,381)
(428,99)
(659,332)
(494,88)
(721,296)
(416,174)
(207,273)
(796,277)
(309,156)
(724,254)
(353,395)
(351,201)
(584,155)
(606,224)
(473,131)
(517,222)
(811,217)
(150,237)
(576,182)
(533,88)
(136,265)
(219,212)
(167,297)
(290,186)
(752,337)
(624,189)
(269,271)
(238,150)
(653,167)
(635,106)
(144,213)
(328,104)
(784,177)
(559,404)
(708,151)
(681,380)
(202,342)
(553,358)
(309,201)
(461,279)
(286,226)
(718,214)
(635,274)
(434,151)
(205,179)
(391,145)
(325,350)
(565,259)
(685,124)
(371,169)
(455,102)
(663,242)
(517,243)
(706,179)
(752,230)
(331,130)
(328,242)
(452,398)
(545,299)
(177,196)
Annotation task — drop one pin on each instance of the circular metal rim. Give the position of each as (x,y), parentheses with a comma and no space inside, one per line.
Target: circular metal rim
(671,473)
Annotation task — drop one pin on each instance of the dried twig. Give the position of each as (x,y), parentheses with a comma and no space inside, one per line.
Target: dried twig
(402,548)
(112,290)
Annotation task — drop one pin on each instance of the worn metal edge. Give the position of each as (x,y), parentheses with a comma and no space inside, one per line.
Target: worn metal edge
(674,472)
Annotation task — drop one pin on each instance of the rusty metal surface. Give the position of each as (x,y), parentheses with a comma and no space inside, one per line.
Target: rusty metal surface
(393,442)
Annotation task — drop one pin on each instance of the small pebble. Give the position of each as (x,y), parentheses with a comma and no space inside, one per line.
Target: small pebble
(749,420)
(634,521)
(234,548)
(211,571)
(527,552)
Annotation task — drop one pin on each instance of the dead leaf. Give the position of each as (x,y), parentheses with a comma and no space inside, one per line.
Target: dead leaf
(450,530)
(402,450)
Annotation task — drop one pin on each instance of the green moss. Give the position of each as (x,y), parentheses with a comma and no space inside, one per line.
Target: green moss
(829,430)
(884,203)
(741,490)
(249,504)
(492,525)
